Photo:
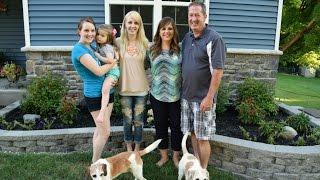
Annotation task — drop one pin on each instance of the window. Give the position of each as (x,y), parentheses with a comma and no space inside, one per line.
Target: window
(119,11)
(151,12)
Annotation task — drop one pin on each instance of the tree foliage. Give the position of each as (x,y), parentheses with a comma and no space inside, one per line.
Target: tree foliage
(300,32)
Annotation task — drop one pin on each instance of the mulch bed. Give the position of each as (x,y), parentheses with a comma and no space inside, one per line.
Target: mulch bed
(227,124)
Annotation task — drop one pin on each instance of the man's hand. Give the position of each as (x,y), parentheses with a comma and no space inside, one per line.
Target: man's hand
(206,104)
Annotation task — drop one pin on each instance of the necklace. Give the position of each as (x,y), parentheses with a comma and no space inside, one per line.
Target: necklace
(132,50)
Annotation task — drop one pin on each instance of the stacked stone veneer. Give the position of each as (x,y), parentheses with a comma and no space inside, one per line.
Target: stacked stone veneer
(238,66)
(63,140)
(245,159)
(59,62)
(249,159)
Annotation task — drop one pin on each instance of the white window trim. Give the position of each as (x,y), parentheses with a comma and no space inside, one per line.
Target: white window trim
(277,38)
(157,9)
(26,22)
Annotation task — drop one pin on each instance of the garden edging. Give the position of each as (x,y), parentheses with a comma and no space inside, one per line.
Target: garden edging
(244,158)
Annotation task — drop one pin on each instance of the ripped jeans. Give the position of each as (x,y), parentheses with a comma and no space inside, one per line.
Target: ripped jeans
(133,108)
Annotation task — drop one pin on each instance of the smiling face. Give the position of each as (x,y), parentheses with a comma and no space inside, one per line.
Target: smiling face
(196,19)
(87,33)
(167,32)
(132,26)
(102,37)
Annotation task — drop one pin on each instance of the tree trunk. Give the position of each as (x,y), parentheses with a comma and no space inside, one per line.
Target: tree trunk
(297,37)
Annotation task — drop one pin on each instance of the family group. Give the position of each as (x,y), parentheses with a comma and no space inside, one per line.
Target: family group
(184,80)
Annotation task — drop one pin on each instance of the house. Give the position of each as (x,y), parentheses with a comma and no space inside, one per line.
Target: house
(251,29)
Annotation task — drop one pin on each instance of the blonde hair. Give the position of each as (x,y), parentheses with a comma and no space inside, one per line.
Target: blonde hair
(142,41)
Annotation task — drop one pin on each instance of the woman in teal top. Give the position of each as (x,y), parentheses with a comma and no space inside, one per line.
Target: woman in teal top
(92,74)
(165,88)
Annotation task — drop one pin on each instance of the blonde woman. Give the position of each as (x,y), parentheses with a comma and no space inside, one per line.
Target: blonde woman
(133,81)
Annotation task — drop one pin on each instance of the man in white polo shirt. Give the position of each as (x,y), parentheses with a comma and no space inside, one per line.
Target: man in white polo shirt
(203,56)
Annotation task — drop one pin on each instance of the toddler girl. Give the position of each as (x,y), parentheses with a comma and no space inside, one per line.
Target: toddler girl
(107,52)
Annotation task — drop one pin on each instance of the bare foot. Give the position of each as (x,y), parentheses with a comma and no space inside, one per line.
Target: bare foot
(162,161)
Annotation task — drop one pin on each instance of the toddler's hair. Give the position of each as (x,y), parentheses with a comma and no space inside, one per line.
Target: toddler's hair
(108,29)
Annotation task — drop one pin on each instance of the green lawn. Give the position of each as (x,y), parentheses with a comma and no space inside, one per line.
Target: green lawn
(72,166)
(298,91)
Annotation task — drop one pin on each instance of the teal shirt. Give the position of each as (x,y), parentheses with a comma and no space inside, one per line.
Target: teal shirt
(166,77)
(92,83)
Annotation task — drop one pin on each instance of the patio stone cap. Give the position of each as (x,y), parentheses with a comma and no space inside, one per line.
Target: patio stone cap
(277,149)
(291,110)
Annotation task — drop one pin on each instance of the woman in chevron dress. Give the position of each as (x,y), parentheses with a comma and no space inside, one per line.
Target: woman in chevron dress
(165,88)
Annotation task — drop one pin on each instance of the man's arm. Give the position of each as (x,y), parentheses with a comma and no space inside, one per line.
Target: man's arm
(207,102)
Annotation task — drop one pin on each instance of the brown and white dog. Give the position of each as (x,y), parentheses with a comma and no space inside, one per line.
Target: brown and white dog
(110,168)
(190,166)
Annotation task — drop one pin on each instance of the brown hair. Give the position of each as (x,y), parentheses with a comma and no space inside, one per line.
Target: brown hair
(83,20)
(202,5)
(108,29)
(156,48)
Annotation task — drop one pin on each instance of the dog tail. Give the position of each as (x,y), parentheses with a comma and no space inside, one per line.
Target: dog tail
(183,143)
(151,147)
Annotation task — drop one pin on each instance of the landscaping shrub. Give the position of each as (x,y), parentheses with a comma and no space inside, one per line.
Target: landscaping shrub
(255,100)
(44,95)
(67,110)
(271,130)
(223,98)
(299,122)
(116,111)
(315,136)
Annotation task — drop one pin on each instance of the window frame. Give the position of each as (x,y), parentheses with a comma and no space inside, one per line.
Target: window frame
(157,8)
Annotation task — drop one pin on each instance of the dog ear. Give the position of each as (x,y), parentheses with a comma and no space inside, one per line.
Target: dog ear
(104,168)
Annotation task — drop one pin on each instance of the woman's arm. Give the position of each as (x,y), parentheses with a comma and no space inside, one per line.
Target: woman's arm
(108,59)
(90,63)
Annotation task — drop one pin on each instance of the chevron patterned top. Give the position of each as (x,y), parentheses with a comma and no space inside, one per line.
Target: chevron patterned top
(166,77)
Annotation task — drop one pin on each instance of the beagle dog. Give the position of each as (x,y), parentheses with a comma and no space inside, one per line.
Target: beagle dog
(190,166)
(110,168)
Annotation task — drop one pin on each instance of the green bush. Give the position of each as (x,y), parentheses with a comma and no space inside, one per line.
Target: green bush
(255,100)
(117,111)
(223,98)
(44,95)
(315,136)
(299,122)
(300,142)
(271,130)
(67,110)
(310,59)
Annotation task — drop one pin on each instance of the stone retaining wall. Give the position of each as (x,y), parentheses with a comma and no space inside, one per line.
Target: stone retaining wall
(249,159)
(245,159)
(63,140)
(238,66)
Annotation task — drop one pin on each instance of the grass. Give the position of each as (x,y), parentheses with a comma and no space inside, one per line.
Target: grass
(21,166)
(298,91)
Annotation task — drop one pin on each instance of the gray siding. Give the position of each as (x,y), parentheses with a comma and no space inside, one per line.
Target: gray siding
(12,32)
(54,23)
(245,24)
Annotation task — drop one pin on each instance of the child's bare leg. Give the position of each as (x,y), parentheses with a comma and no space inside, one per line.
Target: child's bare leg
(107,84)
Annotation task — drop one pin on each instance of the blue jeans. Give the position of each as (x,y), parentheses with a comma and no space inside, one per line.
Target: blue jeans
(133,108)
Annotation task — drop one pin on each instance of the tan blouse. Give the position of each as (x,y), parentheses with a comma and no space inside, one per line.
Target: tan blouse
(133,79)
